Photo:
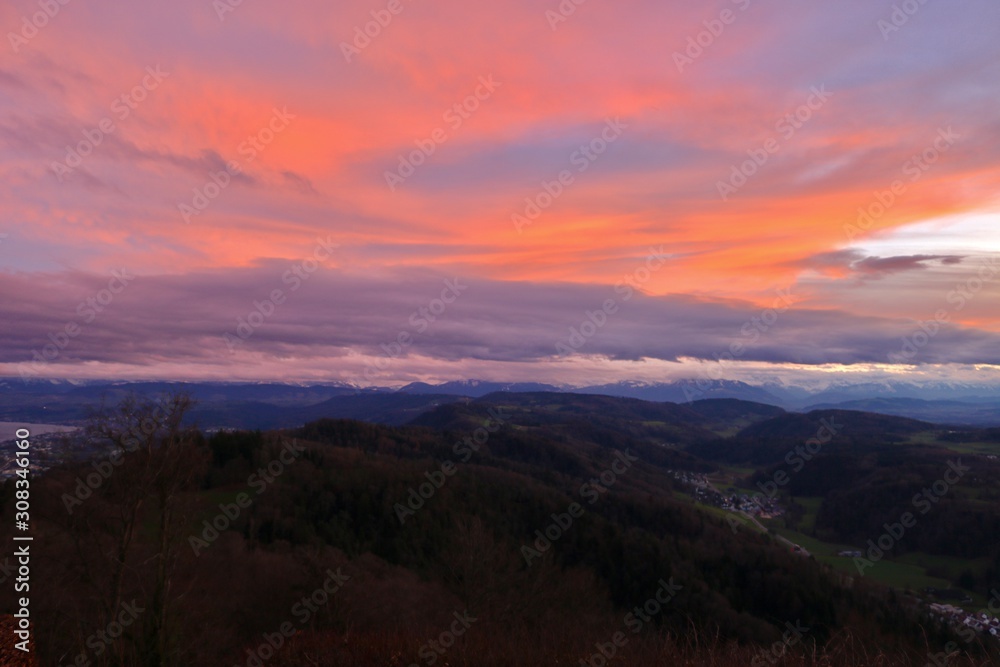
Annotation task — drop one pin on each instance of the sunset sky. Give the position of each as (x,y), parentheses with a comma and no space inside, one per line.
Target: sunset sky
(261,191)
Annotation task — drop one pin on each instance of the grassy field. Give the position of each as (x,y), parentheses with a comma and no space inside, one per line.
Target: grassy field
(983,448)
(725,515)
(811,505)
(903,576)
(728,479)
(903,573)
(930,438)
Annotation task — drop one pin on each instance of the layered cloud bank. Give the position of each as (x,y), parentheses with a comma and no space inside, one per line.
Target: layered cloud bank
(302,319)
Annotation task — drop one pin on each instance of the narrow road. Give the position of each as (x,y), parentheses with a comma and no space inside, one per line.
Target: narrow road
(791,544)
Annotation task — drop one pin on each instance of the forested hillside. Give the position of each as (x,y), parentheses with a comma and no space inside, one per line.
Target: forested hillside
(553,521)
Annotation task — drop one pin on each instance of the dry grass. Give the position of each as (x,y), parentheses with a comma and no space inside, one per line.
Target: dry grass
(480,649)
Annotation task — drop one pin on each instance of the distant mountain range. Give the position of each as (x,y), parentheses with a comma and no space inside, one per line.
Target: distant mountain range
(276,405)
(683,391)
(474,388)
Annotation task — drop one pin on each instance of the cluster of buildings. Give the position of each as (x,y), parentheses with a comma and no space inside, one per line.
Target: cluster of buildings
(690,478)
(45,450)
(981,622)
(756,504)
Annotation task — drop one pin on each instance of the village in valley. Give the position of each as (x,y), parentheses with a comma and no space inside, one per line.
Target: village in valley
(758,506)
(754,504)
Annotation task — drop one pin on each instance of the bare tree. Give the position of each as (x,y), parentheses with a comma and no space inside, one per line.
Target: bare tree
(155,458)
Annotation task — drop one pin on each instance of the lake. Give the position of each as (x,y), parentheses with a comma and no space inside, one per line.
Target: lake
(9,429)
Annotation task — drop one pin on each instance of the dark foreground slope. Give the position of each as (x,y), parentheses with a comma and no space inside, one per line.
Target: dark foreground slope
(505,531)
